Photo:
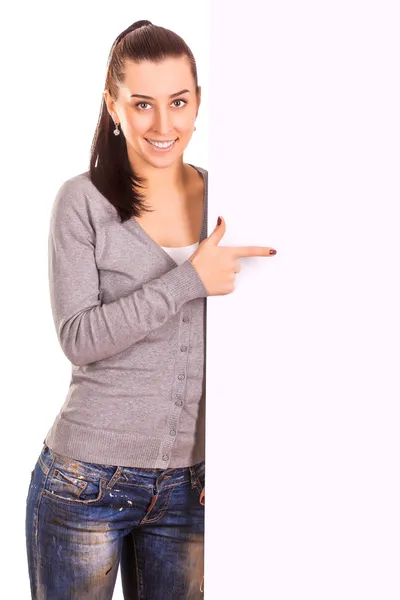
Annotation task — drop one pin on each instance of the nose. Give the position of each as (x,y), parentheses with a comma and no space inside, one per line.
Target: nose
(162,122)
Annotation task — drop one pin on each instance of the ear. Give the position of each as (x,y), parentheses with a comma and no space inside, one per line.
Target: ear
(110,105)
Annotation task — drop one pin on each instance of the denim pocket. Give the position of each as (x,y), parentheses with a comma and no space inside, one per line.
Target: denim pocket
(75,482)
(201,472)
(200,475)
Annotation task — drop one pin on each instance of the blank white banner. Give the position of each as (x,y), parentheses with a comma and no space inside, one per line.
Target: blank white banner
(303,357)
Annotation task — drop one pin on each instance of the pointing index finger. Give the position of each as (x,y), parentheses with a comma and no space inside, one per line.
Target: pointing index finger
(244,251)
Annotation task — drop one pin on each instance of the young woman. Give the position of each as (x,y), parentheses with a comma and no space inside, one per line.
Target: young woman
(120,477)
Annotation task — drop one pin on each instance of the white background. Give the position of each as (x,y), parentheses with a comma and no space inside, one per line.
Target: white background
(299,128)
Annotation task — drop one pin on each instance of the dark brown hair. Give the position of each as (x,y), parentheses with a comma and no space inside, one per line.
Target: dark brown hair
(110,169)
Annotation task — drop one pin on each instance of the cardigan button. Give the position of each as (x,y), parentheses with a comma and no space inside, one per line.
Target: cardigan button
(181,376)
(183,348)
(185,319)
(178,403)
(165,457)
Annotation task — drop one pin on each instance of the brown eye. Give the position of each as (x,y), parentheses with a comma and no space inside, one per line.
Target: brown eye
(141,103)
(180,100)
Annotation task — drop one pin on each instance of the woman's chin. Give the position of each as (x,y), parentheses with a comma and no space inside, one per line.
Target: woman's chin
(159,158)
(164,158)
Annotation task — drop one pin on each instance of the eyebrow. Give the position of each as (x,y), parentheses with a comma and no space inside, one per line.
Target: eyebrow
(150,97)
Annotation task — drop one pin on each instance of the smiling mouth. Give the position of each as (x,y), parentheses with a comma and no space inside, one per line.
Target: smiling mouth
(161,144)
(161,141)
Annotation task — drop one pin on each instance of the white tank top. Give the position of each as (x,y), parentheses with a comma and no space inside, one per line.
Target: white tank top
(181,254)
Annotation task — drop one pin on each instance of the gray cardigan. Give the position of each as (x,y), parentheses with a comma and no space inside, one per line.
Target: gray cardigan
(132,322)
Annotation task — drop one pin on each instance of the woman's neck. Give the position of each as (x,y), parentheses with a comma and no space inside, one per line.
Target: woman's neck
(170,184)
(173,177)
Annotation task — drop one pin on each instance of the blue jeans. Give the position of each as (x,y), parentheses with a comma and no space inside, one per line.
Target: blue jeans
(83,520)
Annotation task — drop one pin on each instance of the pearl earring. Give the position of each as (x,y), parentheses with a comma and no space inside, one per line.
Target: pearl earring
(116,130)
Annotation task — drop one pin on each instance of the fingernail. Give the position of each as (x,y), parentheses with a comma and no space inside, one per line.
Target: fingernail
(219,221)
(272,251)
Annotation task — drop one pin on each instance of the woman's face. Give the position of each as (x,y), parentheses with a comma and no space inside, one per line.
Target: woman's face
(156,103)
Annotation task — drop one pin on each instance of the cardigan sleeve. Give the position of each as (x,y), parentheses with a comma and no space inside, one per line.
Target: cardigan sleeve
(87,330)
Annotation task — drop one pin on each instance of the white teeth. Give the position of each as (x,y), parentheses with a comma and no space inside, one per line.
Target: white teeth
(161,144)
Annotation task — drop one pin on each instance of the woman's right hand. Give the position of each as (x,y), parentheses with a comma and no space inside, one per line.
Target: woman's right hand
(217,265)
